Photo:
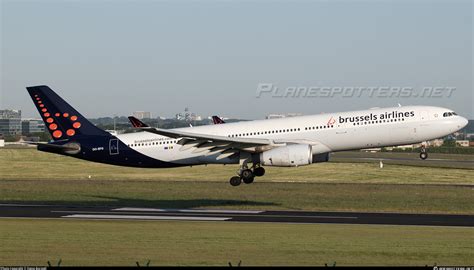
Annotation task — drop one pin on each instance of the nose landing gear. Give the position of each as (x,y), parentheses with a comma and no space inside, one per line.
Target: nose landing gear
(424,152)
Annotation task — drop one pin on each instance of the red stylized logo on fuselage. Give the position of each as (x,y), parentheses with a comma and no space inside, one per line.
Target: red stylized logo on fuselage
(331,121)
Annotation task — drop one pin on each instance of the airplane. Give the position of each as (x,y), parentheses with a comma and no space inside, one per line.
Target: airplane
(285,142)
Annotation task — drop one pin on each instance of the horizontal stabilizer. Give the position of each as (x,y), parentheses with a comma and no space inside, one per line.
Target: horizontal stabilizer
(65,147)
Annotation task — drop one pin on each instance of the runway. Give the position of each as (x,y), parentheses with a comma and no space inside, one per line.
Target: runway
(304,217)
(434,159)
(408,159)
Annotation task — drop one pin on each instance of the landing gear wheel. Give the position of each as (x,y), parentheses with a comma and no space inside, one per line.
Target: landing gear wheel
(248,180)
(423,155)
(247,174)
(235,181)
(259,171)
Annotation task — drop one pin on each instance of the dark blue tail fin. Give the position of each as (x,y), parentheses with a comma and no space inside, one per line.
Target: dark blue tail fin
(61,119)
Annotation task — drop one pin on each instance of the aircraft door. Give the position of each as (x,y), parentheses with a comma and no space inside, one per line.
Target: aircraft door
(114,147)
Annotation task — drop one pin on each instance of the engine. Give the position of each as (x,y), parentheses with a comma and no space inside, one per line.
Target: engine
(288,156)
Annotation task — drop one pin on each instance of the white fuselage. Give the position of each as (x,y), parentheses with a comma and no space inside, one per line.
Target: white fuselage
(329,132)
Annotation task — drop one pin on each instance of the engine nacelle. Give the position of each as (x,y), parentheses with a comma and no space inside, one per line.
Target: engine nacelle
(288,156)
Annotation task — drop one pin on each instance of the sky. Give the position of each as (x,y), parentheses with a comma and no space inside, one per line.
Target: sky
(114,57)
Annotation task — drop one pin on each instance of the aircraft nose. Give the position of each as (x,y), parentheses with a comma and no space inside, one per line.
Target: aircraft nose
(463,122)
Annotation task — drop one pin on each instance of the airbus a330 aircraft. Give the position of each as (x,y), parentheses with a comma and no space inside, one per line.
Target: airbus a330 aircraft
(285,142)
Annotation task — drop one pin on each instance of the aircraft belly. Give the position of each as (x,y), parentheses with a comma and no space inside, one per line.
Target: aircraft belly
(348,138)
(430,130)
(402,135)
(186,157)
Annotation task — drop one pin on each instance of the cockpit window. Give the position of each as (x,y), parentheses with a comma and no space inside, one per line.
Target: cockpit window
(448,114)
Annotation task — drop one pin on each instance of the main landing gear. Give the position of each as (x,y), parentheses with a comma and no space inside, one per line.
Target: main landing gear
(247,175)
(424,152)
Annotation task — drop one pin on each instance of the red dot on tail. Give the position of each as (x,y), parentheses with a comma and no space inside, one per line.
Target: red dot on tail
(66,114)
(70,132)
(76,125)
(47,115)
(53,126)
(57,114)
(57,134)
(73,118)
(44,110)
(50,120)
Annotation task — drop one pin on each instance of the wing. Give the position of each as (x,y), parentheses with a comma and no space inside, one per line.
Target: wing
(227,146)
(211,142)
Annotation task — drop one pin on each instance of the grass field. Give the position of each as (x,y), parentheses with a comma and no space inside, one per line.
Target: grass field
(260,196)
(32,176)
(92,243)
